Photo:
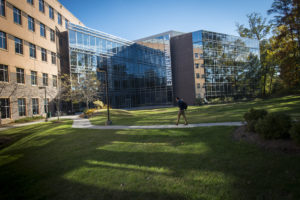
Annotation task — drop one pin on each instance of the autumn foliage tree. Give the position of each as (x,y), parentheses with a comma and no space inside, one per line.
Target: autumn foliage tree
(286,40)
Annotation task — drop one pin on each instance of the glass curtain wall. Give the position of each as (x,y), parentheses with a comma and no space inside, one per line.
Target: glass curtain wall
(162,44)
(136,73)
(227,65)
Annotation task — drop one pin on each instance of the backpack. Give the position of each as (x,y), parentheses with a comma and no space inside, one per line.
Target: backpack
(185,106)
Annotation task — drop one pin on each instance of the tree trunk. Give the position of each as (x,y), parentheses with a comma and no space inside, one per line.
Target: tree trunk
(87,103)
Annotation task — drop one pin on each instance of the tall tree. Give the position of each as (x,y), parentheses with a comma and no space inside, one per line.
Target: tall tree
(286,18)
(287,13)
(258,29)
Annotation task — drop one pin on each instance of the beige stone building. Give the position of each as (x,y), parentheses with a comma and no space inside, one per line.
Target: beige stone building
(30,56)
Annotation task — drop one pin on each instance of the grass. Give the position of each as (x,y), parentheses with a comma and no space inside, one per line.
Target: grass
(202,114)
(55,161)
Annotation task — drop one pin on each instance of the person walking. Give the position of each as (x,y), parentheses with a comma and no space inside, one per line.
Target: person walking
(182,106)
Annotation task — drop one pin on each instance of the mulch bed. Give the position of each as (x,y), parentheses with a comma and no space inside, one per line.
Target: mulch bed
(286,146)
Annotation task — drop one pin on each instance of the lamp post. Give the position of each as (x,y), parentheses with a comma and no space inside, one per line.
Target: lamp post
(46,106)
(108,122)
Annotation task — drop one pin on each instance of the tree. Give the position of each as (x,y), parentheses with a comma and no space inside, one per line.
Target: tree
(85,88)
(286,42)
(258,29)
(287,13)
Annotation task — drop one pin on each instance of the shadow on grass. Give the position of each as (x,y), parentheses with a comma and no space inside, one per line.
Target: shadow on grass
(145,164)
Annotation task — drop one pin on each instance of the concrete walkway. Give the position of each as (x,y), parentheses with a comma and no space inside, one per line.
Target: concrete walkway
(9,126)
(86,124)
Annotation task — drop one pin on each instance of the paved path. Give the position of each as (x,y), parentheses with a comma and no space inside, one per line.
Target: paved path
(36,122)
(86,124)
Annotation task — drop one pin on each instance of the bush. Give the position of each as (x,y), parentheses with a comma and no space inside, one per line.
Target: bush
(274,126)
(200,101)
(216,100)
(89,112)
(28,119)
(99,104)
(295,132)
(252,116)
(228,99)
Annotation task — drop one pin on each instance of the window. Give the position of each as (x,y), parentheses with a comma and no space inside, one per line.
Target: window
(33,78)
(54,79)
(22,107)
(66,23)
(30,2)
(59,20)
(197,66)
(17,16)
(20,76)
(52,35)
(3,44)
(196,55)
(2,7)
(46,105)
(31,25)
(51,12)
(198,85)
(5,108)
(53,58)
(32,50)
(4,73)
(45,79)
(44,54)
(18,45)
(35,106)
(42,6)
(198,75)
(42,30)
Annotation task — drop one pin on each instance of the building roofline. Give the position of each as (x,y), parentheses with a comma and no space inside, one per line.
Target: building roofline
(71,13)
(102,34)
(157,35)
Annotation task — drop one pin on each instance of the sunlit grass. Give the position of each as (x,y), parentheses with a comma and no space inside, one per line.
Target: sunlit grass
(201,114)
(55,161)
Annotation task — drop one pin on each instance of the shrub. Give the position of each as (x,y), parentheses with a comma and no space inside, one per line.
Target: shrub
(29,119)
(89,112)
(274,126)
(216,100)
(295,132)
(99,104)
(200,101)
(228,99)
(252,116)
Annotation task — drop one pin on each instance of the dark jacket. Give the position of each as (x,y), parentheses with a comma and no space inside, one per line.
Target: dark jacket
(180,104)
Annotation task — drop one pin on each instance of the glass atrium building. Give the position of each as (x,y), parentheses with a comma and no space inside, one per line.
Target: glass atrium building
(224,65)
(137,74)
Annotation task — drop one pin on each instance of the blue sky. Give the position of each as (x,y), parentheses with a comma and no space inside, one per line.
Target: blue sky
(134,19)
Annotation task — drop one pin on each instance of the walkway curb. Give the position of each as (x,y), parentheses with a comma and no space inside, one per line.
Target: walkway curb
(86,124)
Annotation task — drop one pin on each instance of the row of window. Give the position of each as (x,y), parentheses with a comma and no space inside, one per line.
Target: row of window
(31,24)
(51,11)
(20,76)
(17,12)
(32,48)
(5,107)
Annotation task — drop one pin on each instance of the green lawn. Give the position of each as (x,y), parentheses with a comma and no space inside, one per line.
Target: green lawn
(54,161)
(201,114)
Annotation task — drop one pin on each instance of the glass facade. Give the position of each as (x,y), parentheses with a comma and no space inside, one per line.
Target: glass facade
(136,73)
(227,65)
